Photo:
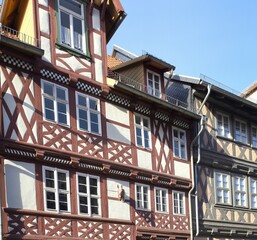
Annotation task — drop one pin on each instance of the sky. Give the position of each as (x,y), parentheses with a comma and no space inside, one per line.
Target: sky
(215,38)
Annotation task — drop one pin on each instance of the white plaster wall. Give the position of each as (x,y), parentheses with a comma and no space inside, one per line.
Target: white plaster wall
(97,44)
(46,45)
(20,185)
(117,114)
(43,2)
(96,19)
(144,159)
(118,209)
(44,21)
(118,133)
(181,169)
(98,70)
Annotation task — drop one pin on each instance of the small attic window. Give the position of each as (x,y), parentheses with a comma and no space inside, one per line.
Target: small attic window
(72,33)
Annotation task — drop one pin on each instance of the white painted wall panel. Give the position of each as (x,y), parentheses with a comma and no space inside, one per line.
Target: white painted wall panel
(117,114)
(118,209)
(118,133)
(99,70)
(182,169)
(96,19)
(144,159)
(44,21)
(46,46)
(43,2)
(20,185)
(97,44)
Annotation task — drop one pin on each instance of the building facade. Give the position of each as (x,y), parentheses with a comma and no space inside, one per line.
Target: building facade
(226,170)
(83,155)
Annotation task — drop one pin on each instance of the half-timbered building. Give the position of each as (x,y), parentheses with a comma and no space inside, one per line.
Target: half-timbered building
(226,170)
(83,155)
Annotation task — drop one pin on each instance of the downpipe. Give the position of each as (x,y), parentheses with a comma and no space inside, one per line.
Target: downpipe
(194,169)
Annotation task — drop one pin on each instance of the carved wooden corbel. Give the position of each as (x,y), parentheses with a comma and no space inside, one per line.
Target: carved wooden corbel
(106,168)
(75,162)
(40,154)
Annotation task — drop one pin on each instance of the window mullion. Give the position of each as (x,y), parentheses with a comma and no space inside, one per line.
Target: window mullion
(71,30)
(88,196)
(56,190)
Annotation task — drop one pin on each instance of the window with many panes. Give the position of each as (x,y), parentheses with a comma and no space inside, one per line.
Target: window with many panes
(153,84)
(142,131)
(222,182)
(240,131)
(56,189)
(179,203)
(161,203)
(179,143)
(142,197)
(88,190)
(55,103)
(253,189)
(254,137)
(223,125)
(71,19)
(240,191)
(88,113)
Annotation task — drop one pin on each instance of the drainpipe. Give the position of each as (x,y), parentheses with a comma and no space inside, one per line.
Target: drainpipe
(194,172)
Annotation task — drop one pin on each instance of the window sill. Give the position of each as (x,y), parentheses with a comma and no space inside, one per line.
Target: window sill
(234,141)
(72,51)
(230,206)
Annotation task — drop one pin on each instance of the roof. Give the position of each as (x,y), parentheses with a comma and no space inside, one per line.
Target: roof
(112,61)
(149,59)
(250,90)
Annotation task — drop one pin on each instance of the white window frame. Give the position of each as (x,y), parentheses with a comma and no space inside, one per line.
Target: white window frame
(223,189)
(253,192)
(239,134)
(143,198)
(88,194)
(240,193)
(181,210)
(55,101)
(180,143)
(221,129)
(88,111)
(254,136)
(56,190)
(142,130)
(71,16)
(163,200)
(152,90)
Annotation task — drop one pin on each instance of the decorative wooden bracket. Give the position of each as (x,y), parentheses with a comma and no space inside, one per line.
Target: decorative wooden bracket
(173,182)
(73,82)
(40,154)
(154,179)
(106,168)
(133,174)
(75,162)
(105,91)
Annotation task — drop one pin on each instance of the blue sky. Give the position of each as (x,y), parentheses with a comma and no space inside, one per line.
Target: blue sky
(215,38)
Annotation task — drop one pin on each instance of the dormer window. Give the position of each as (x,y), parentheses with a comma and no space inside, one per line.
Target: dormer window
(153,84)
(72,29)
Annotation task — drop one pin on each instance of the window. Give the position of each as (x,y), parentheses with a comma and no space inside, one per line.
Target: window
(179,203)
(88,194)
(179,143)
(142,197)
(55,102)
(56,189)
(71,18)
(153,84)
(254,137)
(240,191)
(223,125)
(240,134)
(142,131)
(253,189)
(161,196)
(222,182)
(88,113)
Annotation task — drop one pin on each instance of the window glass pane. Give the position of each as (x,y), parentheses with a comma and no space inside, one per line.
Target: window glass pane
(48,89)
(62,181)
(65,29)
(93,104)
(82,101)
(60,93)
(145,123)
(72,6)
(77,27)
(62,118)
(63,204)
(50,202)
(138,120)
(61,108)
